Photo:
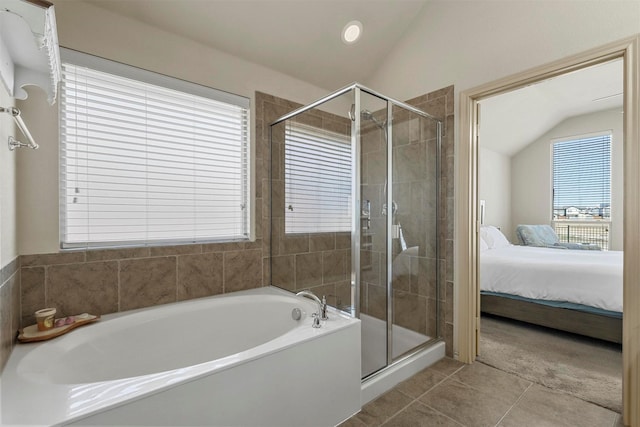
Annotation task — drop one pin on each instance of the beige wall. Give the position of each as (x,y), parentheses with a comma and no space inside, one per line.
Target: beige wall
(531,171)
(86,28)
(9,261)
(494,187)
(8,242)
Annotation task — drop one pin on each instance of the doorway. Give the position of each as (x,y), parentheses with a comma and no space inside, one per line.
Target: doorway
(550,155)
(467,223)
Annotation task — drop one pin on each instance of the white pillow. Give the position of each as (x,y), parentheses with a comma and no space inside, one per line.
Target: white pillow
(493,237)
(483,244)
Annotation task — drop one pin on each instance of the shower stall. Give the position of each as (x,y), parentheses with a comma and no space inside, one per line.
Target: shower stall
(354,206)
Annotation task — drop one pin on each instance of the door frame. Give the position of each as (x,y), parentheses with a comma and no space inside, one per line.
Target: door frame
(466,201)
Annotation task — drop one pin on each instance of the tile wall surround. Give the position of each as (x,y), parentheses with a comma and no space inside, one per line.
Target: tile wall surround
(9,308)
(112,280)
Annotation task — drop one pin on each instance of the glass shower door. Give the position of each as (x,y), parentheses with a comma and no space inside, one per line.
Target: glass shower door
(375,312)
(413,216)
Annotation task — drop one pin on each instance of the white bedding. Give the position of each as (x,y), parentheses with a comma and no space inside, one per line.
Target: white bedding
(591,278)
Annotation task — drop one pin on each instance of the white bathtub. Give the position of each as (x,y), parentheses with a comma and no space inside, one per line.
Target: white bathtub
(233,360)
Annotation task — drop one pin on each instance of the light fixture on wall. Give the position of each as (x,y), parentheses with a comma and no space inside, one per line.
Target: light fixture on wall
(352,32)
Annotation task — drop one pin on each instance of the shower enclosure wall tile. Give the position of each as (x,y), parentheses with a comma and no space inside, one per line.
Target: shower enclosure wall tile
(277,199)
(433,317)
(410,311)
(337,126)
(376,301)
(284,272)
(83,288)
(262,174)
(147,282)
(343,240)
(260,138)
(376,167)
(242,270)
(402,273)
(257,244)
(322,242)
(370,274)
(277,153)
(294,244)
(408,161)
(343,295)
(200,275)
(334,266)
(424,276)
(308,269)
(449,303)
(327,290)
(272,111)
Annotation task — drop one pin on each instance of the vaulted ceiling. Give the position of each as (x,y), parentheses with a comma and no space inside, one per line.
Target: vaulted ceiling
(302,38)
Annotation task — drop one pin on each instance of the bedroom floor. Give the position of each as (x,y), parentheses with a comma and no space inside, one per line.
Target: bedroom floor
(450,393)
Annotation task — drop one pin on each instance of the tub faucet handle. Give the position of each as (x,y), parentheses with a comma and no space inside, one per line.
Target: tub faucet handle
(323,309)
(316,320)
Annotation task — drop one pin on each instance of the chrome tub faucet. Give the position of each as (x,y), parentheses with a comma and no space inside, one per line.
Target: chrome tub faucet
(322,307)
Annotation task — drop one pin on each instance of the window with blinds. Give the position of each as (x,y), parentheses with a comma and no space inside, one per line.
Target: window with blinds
(147,159)
(582,178)
(317,180)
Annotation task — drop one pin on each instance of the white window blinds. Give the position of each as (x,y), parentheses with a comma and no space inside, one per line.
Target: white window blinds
(317,180)
(582,178)
(142,163)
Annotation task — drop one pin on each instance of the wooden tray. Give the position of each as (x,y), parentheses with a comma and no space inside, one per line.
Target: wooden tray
(31,333)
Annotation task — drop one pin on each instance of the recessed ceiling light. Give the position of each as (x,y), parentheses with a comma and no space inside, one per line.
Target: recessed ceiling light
(352,32)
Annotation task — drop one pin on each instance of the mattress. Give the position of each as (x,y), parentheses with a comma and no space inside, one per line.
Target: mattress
(588,278)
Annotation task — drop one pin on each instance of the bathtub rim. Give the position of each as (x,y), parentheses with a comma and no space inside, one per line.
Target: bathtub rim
(51,412)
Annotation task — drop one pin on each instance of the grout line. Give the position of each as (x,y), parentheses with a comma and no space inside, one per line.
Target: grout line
(443,414)
(417,399)
(535,381)
(514,404)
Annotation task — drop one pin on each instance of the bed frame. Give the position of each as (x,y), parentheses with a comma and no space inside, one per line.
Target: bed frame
(574,321)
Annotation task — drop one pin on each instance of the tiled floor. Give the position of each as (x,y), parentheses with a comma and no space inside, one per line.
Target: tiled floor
(450,393)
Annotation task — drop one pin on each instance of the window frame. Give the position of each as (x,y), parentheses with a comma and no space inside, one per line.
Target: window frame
(152,78)
(578,137)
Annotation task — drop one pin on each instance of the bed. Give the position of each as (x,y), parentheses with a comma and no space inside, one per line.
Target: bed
(570,290)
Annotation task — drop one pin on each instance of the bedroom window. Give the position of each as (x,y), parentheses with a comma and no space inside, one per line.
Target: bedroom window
(317,180)
(148,159)
(582,188)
